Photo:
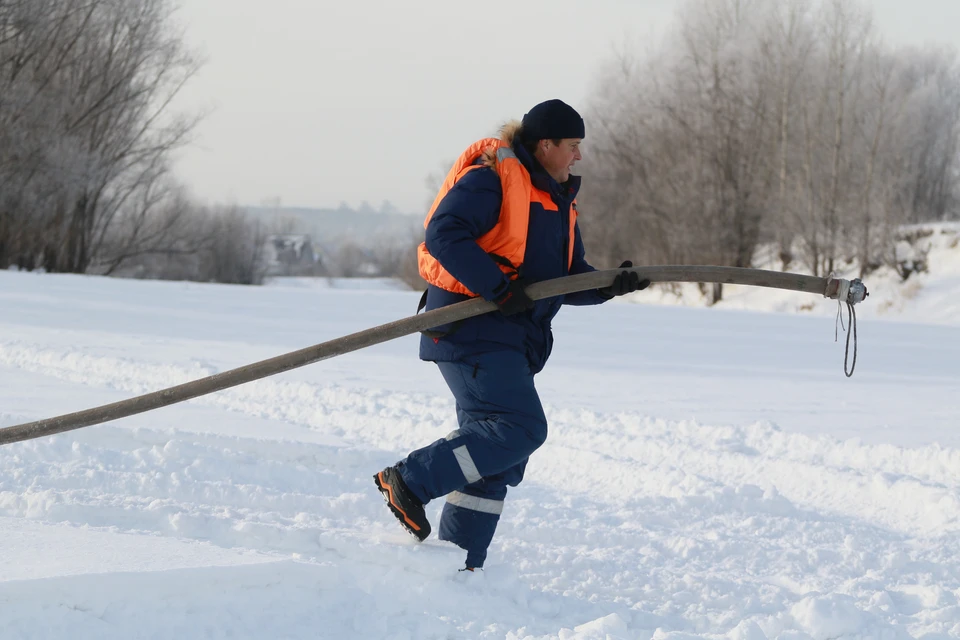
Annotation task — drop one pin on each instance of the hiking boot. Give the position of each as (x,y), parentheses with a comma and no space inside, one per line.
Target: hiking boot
(404,505)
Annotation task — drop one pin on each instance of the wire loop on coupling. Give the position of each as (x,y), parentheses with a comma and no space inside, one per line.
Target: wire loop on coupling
(852,324)
(848,292)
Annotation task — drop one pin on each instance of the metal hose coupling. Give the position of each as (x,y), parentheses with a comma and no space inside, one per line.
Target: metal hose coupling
(849,291)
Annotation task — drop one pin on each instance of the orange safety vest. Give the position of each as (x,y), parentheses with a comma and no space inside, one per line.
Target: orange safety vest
(506,242)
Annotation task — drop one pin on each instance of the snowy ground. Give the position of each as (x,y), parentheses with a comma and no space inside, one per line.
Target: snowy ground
(710,473)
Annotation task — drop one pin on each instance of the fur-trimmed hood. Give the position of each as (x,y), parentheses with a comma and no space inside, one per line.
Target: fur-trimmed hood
(508,133)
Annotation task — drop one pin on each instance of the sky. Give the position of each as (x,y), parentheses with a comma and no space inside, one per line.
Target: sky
(315,103)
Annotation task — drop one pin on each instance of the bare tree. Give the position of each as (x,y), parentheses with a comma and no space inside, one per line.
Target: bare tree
(86,87)
(928,143)
(235,251)
(883,110)
(162,222)
(790,123)
(689,154)
(794,41)
(397,258)
(350,261)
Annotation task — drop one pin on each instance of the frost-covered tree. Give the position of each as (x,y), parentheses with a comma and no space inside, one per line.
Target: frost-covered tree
(85,123)
(791,123)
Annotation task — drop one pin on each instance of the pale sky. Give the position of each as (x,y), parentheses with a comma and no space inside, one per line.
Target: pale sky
(318,102)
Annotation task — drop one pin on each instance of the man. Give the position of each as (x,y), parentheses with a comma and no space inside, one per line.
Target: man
(505,217)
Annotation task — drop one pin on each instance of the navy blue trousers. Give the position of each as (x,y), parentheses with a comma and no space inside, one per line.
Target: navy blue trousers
(501,423)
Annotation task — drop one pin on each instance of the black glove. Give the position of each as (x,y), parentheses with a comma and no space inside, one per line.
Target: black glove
(626,282)
(514,299)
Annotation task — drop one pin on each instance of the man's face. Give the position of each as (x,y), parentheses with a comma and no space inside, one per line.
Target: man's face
(558,159)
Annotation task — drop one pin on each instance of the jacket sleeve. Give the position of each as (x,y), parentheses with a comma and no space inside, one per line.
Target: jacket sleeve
(469,210)
(580,265)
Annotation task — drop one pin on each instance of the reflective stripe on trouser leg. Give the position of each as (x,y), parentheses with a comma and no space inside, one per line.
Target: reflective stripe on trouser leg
(470,515)
(469,529)
(469,522)
(466,463)
(474,503)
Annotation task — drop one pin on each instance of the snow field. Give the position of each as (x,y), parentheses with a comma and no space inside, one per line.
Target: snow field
(689,488)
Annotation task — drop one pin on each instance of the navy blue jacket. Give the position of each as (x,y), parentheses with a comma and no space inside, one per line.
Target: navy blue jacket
(469,210)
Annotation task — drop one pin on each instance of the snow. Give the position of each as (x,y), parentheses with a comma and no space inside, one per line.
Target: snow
(710,473)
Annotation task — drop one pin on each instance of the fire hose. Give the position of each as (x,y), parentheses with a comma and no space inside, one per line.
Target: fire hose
(849,292)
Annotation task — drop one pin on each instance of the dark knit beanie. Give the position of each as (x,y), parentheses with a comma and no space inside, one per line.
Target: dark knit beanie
(552,120)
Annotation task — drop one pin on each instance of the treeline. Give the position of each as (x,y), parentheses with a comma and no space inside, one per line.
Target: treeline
(86,136)
(777,123)
(786,123)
